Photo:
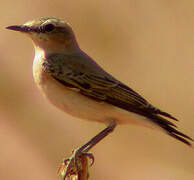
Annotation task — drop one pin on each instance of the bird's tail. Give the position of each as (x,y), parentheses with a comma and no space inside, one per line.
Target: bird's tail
(170,128)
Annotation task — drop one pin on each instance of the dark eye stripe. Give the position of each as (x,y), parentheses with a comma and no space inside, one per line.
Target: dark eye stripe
(41,29)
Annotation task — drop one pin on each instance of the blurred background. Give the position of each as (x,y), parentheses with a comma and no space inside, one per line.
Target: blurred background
(149,45)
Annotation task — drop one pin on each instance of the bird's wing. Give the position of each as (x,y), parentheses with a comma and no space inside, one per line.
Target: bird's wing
(102,87)
(97,84)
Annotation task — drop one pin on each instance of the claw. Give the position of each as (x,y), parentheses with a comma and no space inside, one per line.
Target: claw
(72,165)
(90,156)
(66,161)
(71,168)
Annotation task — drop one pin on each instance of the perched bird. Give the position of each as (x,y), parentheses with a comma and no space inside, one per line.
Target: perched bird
(76,84)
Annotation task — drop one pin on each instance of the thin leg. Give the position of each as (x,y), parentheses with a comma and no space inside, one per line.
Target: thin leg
(92,142)
(72,162)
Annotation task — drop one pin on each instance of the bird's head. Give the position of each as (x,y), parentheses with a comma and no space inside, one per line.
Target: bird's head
(50,34)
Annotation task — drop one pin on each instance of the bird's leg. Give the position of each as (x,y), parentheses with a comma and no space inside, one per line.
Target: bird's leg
(72,163)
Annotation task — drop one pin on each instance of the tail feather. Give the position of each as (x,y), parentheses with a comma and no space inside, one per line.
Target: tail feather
(180,139)
(170,130)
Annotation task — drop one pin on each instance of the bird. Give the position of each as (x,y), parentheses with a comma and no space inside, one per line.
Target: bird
(72,81)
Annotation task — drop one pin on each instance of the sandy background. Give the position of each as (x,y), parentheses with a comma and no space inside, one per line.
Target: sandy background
(149,45)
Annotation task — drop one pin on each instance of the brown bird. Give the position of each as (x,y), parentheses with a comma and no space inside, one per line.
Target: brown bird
(76,84)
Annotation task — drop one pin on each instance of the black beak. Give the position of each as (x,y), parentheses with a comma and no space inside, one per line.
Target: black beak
(21,28)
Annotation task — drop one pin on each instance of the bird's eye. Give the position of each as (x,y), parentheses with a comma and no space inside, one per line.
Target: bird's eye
(49,27)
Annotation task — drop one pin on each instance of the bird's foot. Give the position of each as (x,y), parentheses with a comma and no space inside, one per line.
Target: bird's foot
(74,164)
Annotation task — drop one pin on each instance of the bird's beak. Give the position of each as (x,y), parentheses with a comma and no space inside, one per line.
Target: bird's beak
(20,28)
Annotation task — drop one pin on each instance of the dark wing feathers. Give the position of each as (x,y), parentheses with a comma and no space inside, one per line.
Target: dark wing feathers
(158,111)
(149,106)
(103,87)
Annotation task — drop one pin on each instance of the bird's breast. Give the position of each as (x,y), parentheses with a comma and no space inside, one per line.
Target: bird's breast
(56,93)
